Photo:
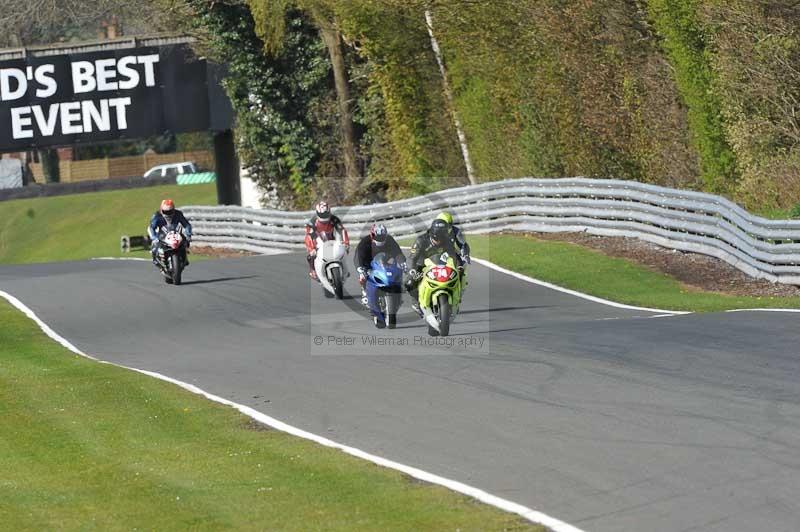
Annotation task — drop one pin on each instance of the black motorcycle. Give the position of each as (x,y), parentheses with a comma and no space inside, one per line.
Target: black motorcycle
(171,252)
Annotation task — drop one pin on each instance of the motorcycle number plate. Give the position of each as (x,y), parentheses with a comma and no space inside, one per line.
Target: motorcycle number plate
(173,240)
(441,274)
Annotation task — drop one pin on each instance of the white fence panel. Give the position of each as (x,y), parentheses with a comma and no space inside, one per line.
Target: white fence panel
(678,219)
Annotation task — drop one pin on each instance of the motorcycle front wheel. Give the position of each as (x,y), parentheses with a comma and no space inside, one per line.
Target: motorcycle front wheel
(336,281)
(163,266)
(175,262)
(444,315)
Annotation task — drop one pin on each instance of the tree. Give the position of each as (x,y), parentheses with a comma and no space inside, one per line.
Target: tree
(275,96)
(270,19)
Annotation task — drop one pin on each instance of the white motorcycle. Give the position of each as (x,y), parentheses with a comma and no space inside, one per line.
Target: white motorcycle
(330,266)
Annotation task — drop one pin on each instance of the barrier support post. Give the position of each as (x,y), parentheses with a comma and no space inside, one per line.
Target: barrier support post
(228,186)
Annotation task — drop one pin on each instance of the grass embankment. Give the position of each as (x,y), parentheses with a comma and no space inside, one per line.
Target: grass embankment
(591,272)
(82,226)
(780,214)
(93,446)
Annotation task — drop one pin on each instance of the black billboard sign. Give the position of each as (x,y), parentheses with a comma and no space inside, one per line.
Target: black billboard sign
(107,95)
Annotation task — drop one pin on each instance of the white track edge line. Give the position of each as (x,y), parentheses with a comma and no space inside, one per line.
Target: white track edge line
(581,295)
(531,515)
(792,310)
(22,307)
(663,313)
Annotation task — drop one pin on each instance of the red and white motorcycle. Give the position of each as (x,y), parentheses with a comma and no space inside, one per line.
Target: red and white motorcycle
(330,265)
(171,253)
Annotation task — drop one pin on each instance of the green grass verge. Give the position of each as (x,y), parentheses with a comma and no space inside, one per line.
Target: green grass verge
(92,446)
(82,226)
(778,214)
(589,271)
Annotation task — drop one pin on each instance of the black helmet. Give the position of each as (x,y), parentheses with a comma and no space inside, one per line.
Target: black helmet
(439,232)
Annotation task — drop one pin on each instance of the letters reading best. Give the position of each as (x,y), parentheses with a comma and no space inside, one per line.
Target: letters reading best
(72,118)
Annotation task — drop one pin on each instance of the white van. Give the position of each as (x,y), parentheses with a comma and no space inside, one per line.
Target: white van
(171,170)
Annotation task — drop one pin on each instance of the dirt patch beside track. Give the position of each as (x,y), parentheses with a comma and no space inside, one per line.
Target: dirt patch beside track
(219,253)
(697,271)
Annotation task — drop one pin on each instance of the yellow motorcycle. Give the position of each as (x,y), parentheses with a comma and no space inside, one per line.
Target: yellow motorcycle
(440,293)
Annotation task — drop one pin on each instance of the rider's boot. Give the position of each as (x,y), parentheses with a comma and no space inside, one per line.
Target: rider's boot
(379,323)
(311,271)
(392,321)
(413,291)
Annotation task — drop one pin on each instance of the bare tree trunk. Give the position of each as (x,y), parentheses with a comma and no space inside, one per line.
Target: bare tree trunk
(333,41)
(448,94)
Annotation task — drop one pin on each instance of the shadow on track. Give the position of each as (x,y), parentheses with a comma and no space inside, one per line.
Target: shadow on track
(219,280)
(493,331)
(502,309)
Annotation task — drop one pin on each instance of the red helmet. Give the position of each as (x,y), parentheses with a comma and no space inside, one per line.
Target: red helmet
(167,207)
(323,210)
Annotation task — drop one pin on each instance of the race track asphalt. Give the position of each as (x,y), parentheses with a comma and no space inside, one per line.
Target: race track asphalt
(606,418)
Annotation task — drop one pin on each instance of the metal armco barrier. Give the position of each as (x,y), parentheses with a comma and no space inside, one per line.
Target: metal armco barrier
(677,219)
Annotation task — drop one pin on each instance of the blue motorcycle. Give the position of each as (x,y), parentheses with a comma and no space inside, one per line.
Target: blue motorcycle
(384,289)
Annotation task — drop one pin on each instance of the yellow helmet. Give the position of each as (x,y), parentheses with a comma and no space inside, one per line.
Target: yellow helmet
(445,217)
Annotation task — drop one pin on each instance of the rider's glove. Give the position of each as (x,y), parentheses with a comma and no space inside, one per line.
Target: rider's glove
(347,248)
(312,253)
(414,274)
(465,259)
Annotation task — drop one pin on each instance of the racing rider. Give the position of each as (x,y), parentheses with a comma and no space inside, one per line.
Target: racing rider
(377,241)
(435,241)
(458,236)
(326,225)
(167,215)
